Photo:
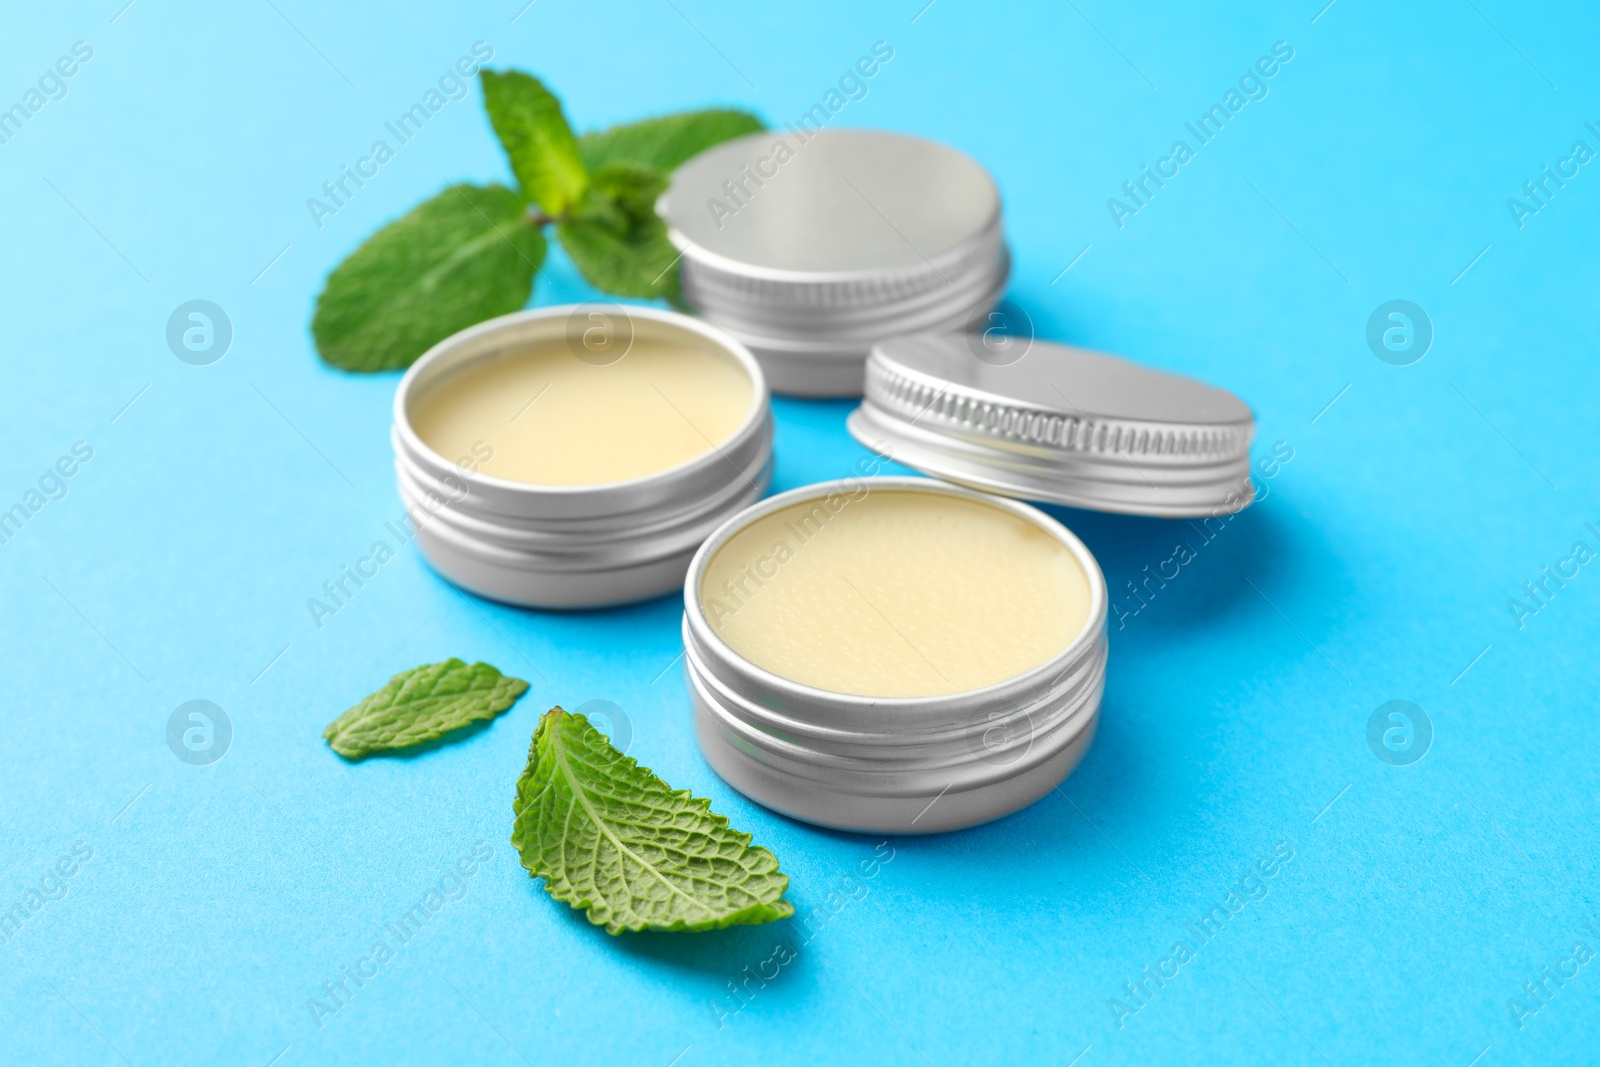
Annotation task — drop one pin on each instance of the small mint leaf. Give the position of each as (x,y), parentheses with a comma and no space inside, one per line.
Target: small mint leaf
(544,155)
(665,142)
(423,704)
(615,238)
(466,255)
(610,837)
(639,263)
(631,187)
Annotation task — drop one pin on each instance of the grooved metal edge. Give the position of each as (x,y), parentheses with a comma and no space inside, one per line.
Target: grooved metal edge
(917,400)
(982,253)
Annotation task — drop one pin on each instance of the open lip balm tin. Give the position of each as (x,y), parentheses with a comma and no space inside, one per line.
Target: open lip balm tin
(536,543)
(810,248)
(893,764)
(1057,424)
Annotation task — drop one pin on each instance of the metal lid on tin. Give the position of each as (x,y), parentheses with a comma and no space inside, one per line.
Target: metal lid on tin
(831,204)
(812,246)
(1057,424)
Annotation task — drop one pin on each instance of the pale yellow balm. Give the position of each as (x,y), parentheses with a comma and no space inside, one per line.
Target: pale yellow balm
(543,416)
(895,593)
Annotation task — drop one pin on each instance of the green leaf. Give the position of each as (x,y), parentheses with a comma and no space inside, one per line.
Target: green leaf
(615,238)
(632,188)
(665,142)
(640,263)
(467,255)
(610,837)
(544,155)
(422,704)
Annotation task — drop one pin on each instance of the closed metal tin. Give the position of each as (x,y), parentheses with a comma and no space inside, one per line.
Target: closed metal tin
(579,546)
(1060,424)
(893,765)
(810,248)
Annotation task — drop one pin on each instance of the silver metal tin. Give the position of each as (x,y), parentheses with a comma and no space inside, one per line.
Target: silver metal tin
(1059,424)
(893,765)
(573,546)
(852,236)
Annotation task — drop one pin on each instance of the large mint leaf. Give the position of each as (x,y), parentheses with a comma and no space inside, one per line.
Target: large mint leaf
(665,142)
(610,837)
(467,255)
(423,704)
(544,155)
(615,237)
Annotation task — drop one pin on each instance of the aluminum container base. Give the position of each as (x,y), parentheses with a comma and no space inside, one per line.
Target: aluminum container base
(812,374)
(554,588)
(930,813)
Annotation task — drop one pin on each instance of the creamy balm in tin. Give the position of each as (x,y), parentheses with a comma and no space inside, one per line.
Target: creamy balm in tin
(665,403)
(577,456)
(894,655)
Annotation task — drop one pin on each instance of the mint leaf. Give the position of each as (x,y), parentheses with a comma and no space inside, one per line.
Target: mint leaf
(632,188)
(422,704)
(638,263)
(615,237)
(610,837)
(665,142)
(467,255)
(544,155)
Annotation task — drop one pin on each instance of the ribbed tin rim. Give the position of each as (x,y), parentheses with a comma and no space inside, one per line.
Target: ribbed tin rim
(537,529)
(613,545)
(881,775)
(578,501)
(957,317)
(866,325)
(1019,448)
(866,717)
(919,746)
(859,293)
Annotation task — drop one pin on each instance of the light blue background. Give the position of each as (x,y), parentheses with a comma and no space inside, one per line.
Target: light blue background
(219,899)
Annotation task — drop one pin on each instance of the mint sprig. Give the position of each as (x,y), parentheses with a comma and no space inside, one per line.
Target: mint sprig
(610,837)
(472,252)
(422,704)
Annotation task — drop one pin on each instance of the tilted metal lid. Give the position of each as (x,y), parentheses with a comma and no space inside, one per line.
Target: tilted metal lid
(833,217)
(1057,424)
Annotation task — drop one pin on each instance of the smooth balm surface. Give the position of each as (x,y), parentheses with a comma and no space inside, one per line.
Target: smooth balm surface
(895,593)
(541,415)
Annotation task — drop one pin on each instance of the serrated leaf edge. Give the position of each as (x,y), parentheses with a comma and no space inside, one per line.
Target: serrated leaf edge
(751,915)
(332,732)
